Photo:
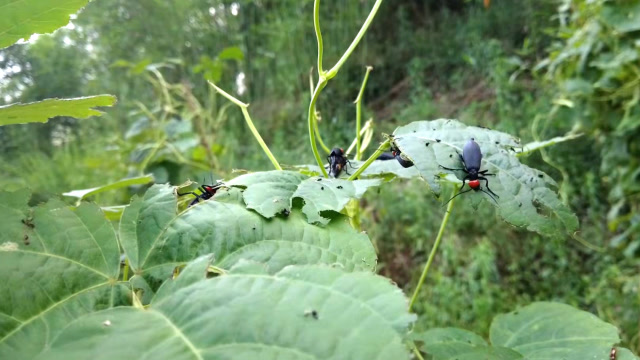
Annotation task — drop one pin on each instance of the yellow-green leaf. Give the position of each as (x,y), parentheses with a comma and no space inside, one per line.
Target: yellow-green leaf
(42,111)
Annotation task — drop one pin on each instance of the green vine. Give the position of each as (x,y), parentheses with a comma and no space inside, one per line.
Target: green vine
(325,77)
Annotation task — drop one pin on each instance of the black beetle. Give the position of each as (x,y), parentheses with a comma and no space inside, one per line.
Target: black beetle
(472,161)
(386,156)
(337,162)
(406,163)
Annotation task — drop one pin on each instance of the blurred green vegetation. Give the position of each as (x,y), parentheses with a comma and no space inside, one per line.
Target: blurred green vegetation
(533,68)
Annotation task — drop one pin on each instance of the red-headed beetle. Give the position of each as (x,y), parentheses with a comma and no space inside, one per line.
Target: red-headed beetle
(206,193)
(472,161)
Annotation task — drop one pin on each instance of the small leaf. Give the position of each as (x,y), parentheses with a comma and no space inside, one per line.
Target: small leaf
(322,194)
(82,194)
(272,192)
(301,312)
(42,111)
(231,53)
(57,265)
(269,192)
(545,330)
(21,19)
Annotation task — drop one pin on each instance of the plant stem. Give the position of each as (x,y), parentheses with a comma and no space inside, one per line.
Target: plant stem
(316,25)
(434,249)
(364,129)
(317,129)
(324,77)
(416,351)
(125,273)
(382,148)
(312,124)
(359,113)
(334,70)
(252,127)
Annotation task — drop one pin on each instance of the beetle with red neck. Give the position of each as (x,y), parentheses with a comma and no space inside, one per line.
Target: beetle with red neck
(471,159)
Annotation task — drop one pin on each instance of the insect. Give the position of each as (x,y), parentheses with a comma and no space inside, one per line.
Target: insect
(206,193)
(471,160)
(386,156)
(312,313)
(612,355)
(397,154)
(337,162)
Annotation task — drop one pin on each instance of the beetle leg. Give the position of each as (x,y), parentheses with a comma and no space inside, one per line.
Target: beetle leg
(450,169)
(464,182)
(487,185)
(484,172)
(187,193)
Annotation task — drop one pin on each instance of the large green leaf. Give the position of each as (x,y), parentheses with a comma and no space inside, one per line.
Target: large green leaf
(57,265)
(156,237)
(22,18)
(540,331)
(272,192)
(622,16)
(543,331)
(386,169)
(525,195)
(301,312)
(458,344)
(42,111)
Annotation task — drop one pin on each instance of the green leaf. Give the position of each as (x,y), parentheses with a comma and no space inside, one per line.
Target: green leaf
(386,169)
(269,192)
(322,194)
(545,330)
(525,198)
(301,312)
(57,265)
(82,194)
(194,271)
(458,344)
(231,53)
(622,16)
(272,192)
(448,342)
(42,111)
(156,238)
(537,145)
(430,144)
(625,354)
(21,19)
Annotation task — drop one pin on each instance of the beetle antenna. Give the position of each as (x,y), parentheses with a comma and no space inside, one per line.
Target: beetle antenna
(454,196)
(492,198)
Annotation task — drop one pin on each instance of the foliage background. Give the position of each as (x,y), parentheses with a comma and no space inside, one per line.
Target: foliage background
(534,68)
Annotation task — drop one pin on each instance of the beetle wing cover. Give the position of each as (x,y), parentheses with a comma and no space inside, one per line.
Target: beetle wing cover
(472,155)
